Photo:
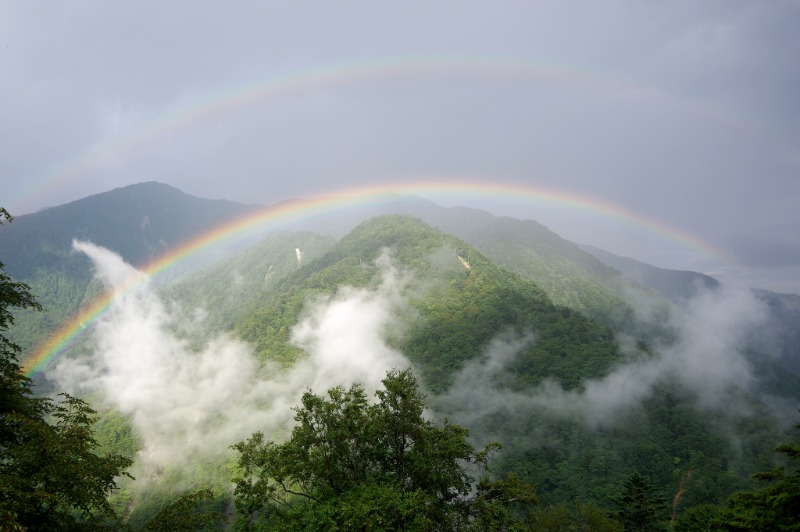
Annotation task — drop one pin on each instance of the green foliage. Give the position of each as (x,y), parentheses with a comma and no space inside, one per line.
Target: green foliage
(773,507)
(583,517)
(230,290)
(141,222)
(185,514)
(114,434)
(638,506)
(50,476)
(457,311)
(698,518)
(353,464)
(569,276)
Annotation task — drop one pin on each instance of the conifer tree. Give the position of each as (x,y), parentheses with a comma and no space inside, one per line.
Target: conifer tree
(638,506)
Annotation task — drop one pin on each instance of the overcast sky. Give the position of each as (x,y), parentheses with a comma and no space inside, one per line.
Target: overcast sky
(683,112)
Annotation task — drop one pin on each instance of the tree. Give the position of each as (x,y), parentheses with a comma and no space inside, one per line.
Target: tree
(774,507)
(50,476)
(637,505)
(583,517)
(350,463)
(185,514)
(700,517)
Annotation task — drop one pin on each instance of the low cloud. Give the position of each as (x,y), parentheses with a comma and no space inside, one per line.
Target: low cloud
(345,335)
(706,355)
(188,402)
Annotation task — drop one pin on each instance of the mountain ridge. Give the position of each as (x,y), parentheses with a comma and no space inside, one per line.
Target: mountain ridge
(576,399)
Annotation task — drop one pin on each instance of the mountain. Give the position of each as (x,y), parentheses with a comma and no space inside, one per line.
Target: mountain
(470,301)
(233,287)
(499,356)
(780,336)
(675,285)
(517,334)
(140,222)
(144,221)
(570,275)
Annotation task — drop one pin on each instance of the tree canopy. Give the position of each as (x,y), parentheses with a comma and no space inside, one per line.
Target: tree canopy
(50,475)
(638,506)
(352,463)
(775,506)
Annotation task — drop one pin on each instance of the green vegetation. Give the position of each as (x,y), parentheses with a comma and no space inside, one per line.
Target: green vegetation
(335,469)
(140,222)
(638,507)
(569,276)
(775,506)
(350,465)
(231,289)
(50,475)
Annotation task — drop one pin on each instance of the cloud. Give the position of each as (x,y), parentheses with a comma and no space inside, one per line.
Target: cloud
(706,355)
(345,334)
(188,402)
(648,111)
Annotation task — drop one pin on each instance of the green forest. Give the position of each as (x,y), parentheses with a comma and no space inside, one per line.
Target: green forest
(467,436)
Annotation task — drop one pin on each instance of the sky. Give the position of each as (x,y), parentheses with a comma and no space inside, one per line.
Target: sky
(682,113)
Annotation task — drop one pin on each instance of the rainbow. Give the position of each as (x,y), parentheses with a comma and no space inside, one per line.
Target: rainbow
(275,216)
(206,106)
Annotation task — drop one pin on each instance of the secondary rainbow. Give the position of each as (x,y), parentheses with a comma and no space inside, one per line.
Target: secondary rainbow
(207,106)
(273,217)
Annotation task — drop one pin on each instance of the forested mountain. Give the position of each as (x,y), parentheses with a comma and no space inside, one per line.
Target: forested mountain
(470,310)
(470,301)
(674,285)
(140,222)
(780,335)
(569,275)
(587,372)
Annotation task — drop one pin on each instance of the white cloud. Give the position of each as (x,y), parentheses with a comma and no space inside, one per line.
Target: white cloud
(706,356)
(188,402)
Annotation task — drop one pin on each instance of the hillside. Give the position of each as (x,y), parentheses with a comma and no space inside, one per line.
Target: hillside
(461,308)
(233,287)
(140,222)
(775,349)
(569,275)
(514,332)
(674,285)
(489,343)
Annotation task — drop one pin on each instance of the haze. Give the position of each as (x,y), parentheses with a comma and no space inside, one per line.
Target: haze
(683,112)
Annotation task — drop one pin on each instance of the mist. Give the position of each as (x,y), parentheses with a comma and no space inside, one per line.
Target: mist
(188,402)
(705,354)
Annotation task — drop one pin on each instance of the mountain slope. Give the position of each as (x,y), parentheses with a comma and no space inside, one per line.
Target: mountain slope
(140,222)
(569,275)
(494,352)
(674,285)
(231,288)
(775,350)
(465,303)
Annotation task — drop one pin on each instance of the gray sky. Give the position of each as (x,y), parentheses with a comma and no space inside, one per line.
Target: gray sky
(685,113)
